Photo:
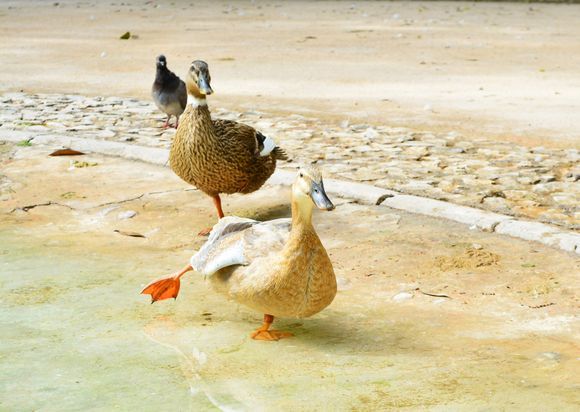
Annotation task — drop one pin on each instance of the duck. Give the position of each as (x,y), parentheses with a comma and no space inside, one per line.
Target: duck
(218,156)
(279,267)
(168,92)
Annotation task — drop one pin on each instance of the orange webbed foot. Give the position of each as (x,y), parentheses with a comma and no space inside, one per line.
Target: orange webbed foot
(164,288)
(270,335)
(205,232)
(264,332)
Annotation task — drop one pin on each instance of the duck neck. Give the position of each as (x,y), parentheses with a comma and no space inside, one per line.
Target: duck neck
(301,212)
(195,97)
(197,101)
(200,116)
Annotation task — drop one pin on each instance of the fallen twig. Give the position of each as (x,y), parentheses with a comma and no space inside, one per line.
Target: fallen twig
(130,234)
(435,295)
(49,203)
(545,305)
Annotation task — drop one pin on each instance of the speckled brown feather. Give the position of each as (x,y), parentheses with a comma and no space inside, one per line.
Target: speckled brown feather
(219,156)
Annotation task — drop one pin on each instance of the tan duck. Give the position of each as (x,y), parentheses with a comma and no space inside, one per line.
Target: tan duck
(218,156)
(279,267)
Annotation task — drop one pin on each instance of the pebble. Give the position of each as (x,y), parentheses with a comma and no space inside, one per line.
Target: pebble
(402,296)
(538,183)
(128,214)
(106,134)
(342,283)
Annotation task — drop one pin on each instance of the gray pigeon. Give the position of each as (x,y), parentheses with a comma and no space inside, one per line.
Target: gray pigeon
(168,91)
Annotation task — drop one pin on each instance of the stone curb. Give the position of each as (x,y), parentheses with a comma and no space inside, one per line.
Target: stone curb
(366,194)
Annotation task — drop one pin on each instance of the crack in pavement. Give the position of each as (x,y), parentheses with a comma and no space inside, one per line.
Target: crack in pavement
(51,203)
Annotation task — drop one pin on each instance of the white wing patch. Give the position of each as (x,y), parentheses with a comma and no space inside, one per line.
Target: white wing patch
(233,255)
(220,250)
(269,145)
(239,241)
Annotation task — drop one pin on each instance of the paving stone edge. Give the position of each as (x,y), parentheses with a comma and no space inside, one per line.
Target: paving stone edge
(367,194)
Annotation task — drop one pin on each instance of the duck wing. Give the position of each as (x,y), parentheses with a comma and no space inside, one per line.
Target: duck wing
(254,141)
(238,241)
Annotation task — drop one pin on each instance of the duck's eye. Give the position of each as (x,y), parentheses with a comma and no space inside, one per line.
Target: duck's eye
(315,190)
(301,175)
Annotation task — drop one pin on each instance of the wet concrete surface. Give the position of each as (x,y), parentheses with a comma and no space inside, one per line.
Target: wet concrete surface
(76,335)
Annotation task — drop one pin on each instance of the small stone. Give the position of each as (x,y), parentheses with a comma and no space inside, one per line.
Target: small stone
(128,214)
(342,283)
(400,297)
(37,128)
(363,149)
(497,204)
(370,133)
(547,179)
(551,355)
(106,134)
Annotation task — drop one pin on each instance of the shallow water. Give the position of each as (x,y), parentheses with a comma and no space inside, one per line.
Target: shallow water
(77,336)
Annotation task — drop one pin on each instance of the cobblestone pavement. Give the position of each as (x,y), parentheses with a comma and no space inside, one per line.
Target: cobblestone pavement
(536,183)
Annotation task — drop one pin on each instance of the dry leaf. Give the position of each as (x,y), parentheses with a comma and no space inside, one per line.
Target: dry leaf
(131,234)
(66,152)
(80,165)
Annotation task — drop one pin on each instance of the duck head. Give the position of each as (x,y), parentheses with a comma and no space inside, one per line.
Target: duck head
(309,188)
(198,79)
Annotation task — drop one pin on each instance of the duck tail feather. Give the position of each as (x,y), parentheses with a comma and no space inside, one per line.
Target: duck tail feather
(279,153)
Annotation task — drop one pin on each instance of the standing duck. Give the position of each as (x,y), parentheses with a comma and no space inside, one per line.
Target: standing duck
(278,267)
(219,156)
(168,91)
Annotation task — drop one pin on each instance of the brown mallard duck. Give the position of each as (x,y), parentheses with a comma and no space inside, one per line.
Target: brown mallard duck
(278,267)
(218,156)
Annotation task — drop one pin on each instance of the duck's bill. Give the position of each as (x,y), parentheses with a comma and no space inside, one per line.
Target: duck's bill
(204,86)
(319,197)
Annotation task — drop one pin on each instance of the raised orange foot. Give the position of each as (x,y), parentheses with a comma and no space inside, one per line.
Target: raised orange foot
(165,287)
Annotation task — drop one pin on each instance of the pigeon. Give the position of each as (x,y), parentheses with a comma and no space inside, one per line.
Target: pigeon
(168,91)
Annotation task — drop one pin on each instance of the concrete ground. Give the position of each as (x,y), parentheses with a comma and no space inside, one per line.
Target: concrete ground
(429,315)
(507,71)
